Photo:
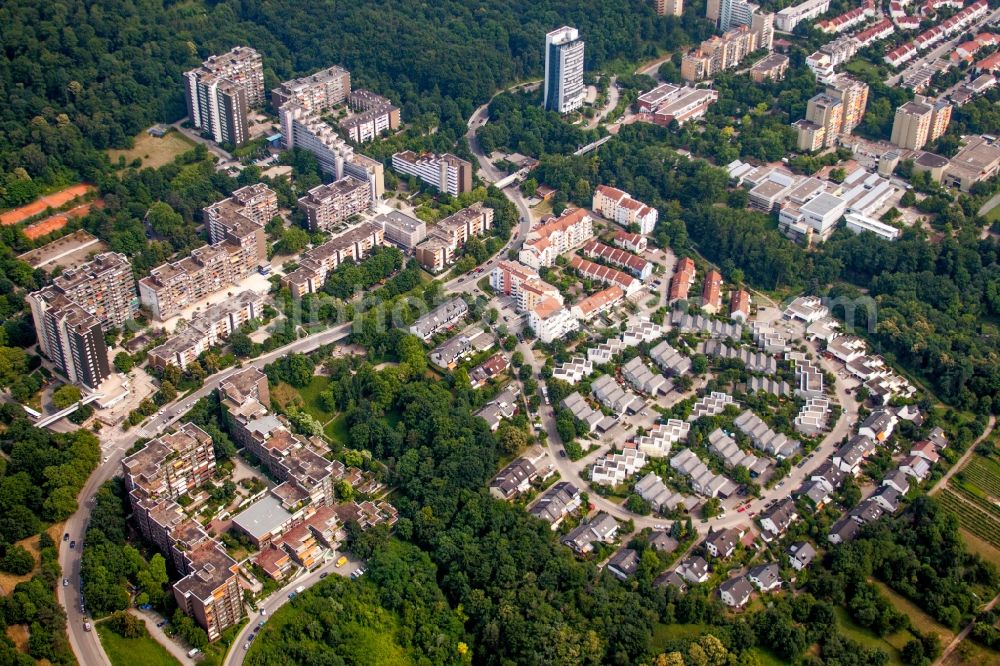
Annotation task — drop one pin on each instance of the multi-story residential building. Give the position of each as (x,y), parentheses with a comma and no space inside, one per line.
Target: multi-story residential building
(729,14)
(550,320)
(71,337)
(157,475)
(789,17)
(532,292)
(669,7)
(719,53)
(305,129)
(447,236)
(170,288)
(326,206)
(507,277)
(911,125)
(446,172)
(401,229)
(315,264)
(103,286)
(772,67)
(810,136)
(376,114)
(555,236)
(853,94)
(619,206)
(323,90)
(255,204)
(208,329)
(825,115)
(70,316)
(170,466)
(920,122)
(847,20)
(220,92)
(563,89)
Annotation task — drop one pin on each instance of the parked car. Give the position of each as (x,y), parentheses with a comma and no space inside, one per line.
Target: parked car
(324,575)
(161,623)
(66,536)
(65,582)
(72,544)
(86,626)
(342,561)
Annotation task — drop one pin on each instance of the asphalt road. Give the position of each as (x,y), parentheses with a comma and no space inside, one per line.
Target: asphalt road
(86,645)
(237,653)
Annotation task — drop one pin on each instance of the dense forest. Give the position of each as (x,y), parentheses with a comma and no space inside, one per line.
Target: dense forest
(79,77)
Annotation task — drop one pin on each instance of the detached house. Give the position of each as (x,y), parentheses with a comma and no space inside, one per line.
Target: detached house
(766,577)
(801,554)
(776,520)
(735,592)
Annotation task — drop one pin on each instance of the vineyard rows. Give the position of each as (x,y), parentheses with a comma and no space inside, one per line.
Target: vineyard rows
(972,517)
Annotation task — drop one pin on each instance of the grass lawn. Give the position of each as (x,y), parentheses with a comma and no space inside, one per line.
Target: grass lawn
(981,548)
(663,634)
(130,651)
(858,633)
(152,151)
(766,657)
(918,617)
(993,215)
(336,429)
(310,396)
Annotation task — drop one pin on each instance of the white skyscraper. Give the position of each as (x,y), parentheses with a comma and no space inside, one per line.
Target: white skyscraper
(563,70)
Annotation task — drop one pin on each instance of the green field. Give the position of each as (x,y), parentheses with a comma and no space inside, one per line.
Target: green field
(132,651)
(664,634)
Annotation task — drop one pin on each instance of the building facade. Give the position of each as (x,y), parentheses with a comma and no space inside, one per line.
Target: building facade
(220,92)
(446,172)
(563,90)
(326,206)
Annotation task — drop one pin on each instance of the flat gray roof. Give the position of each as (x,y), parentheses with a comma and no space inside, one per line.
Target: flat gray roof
(262,517)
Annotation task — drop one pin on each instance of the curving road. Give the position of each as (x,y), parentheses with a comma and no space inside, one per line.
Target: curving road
(267,607)
(86,645)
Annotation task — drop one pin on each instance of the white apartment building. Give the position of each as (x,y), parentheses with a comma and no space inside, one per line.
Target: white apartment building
(547,241)
(564,89)
(446,172)
(789,17)
(550,320)
(619,206)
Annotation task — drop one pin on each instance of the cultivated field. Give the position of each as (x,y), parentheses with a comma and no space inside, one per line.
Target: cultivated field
(974,496)
(152,151)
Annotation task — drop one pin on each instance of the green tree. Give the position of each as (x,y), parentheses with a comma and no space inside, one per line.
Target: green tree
(124,362)
(65,395)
